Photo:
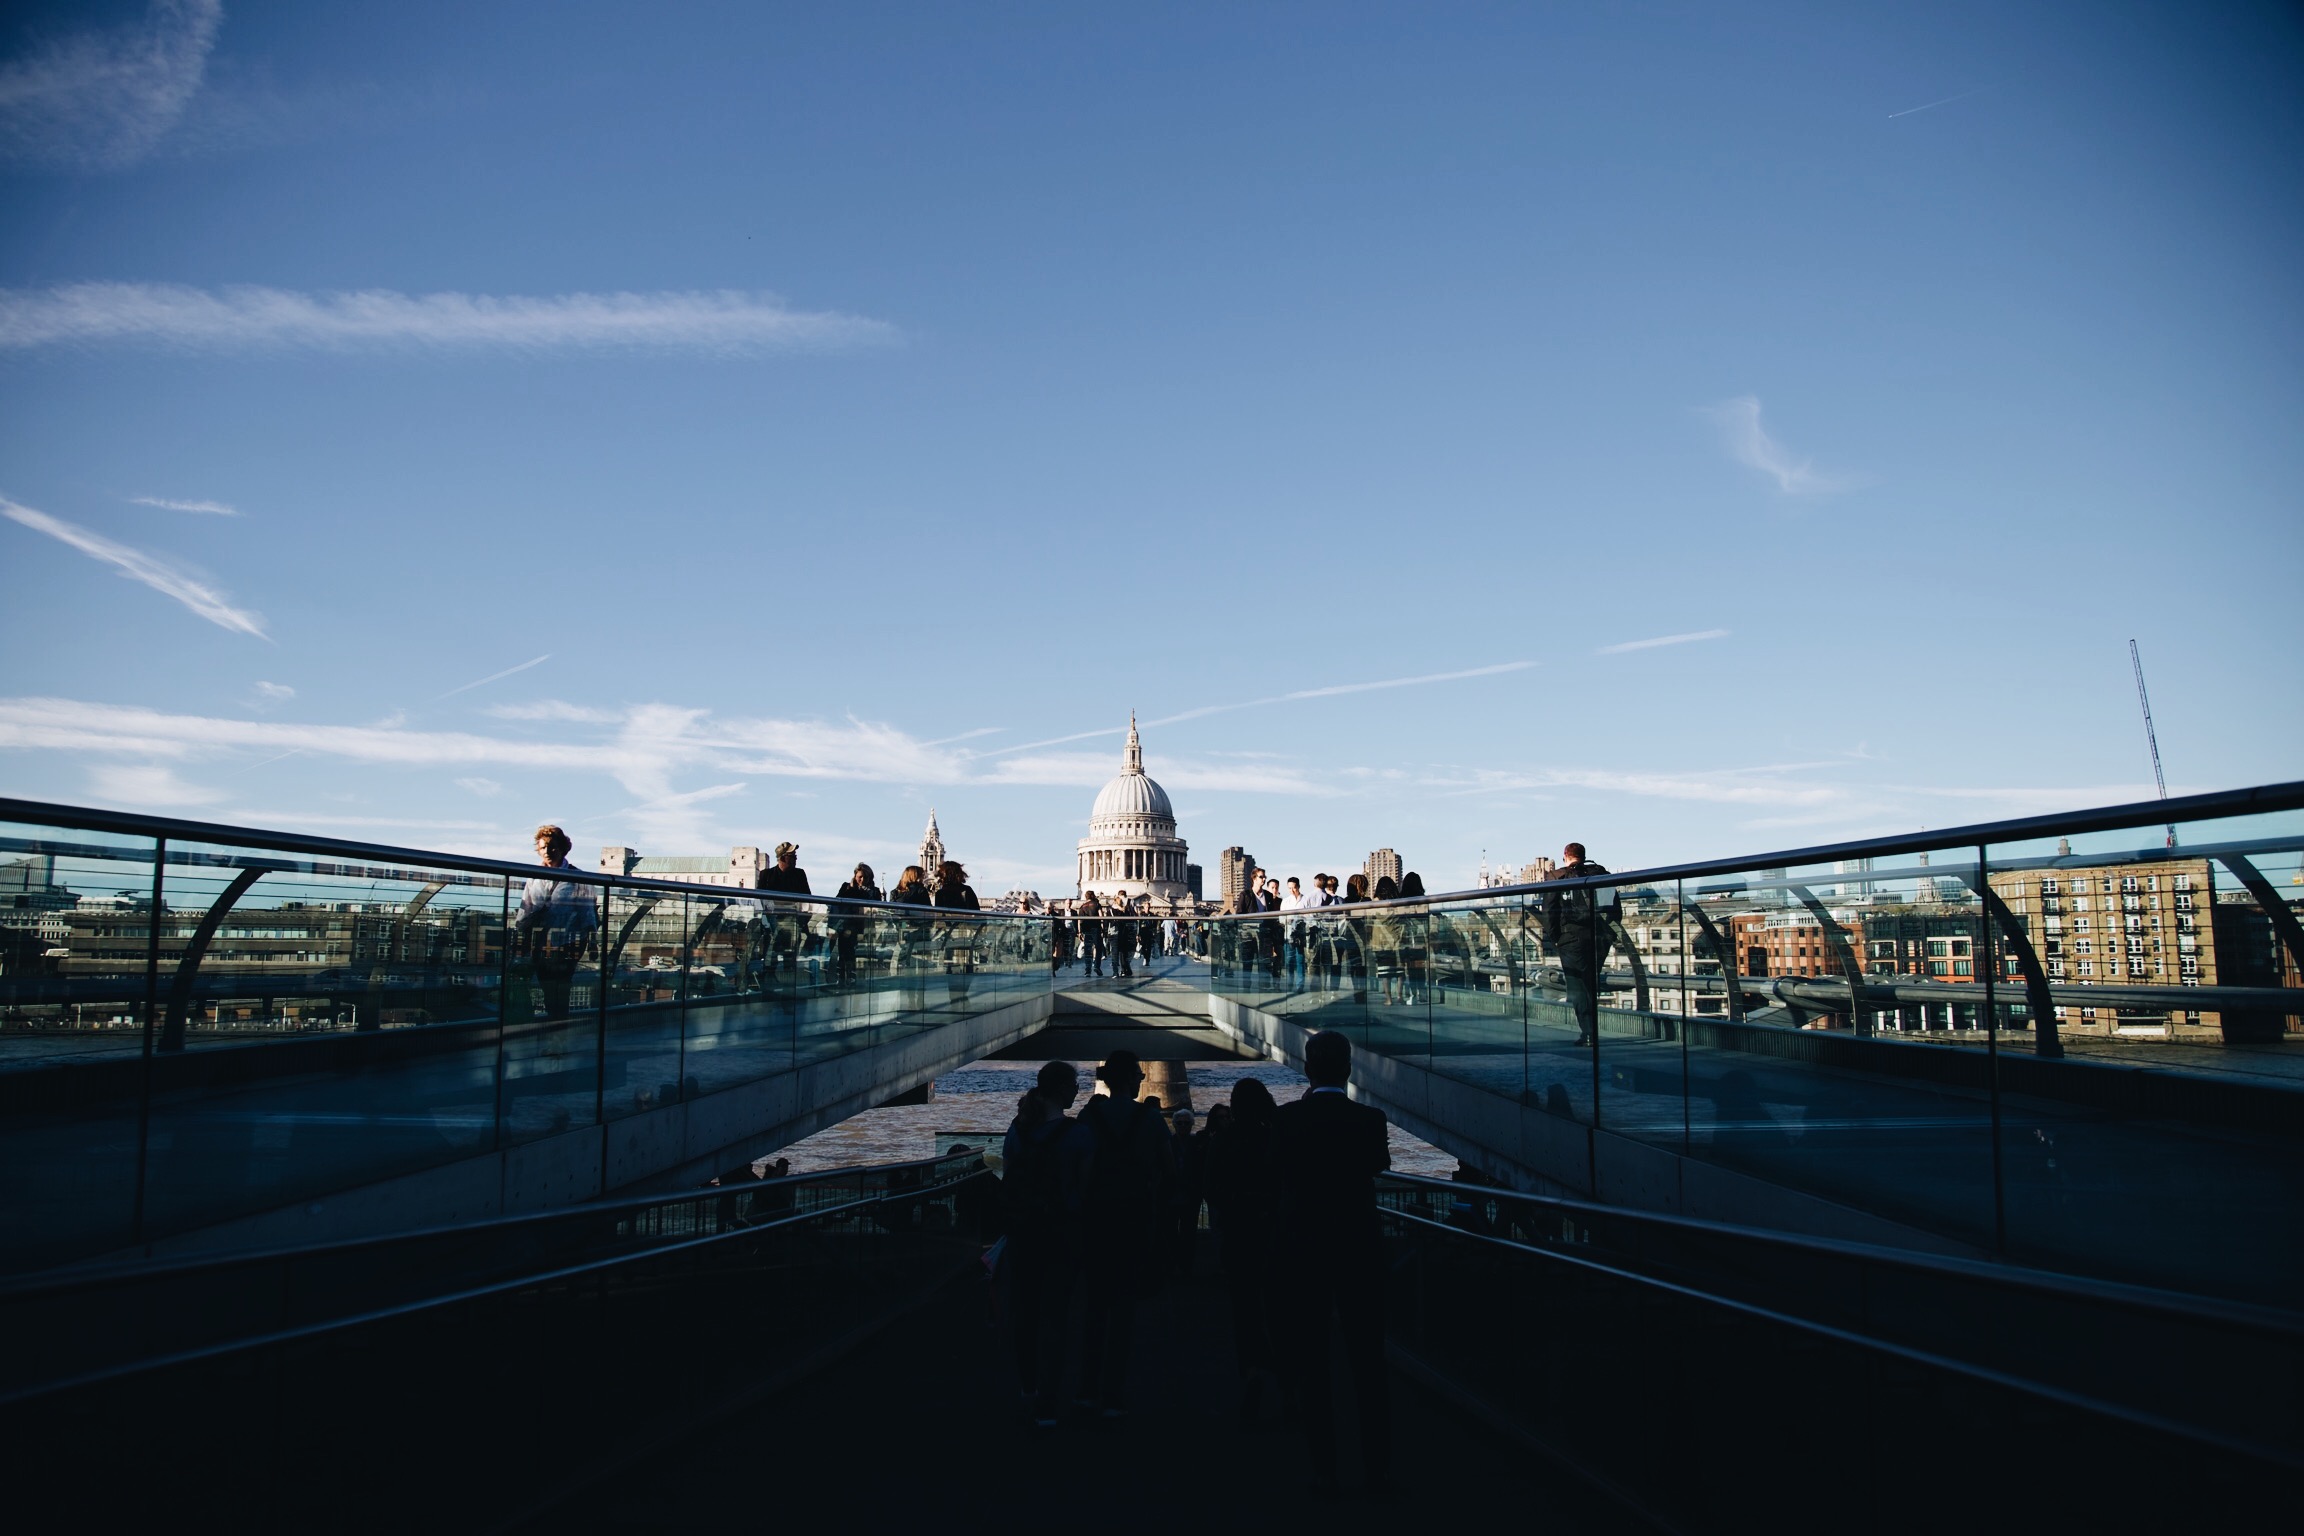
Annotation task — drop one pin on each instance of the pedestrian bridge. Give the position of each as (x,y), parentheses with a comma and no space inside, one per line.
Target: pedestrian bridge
(2044,1073)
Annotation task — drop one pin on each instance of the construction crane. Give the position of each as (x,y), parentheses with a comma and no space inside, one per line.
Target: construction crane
(2152,740)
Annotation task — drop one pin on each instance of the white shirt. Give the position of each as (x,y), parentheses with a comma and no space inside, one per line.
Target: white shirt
(1296,901)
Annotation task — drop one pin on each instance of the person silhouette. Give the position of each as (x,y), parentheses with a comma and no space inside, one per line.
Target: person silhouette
(1329,1151)
(1120,1177)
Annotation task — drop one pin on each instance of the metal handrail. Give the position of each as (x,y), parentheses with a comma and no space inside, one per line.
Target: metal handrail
(143,1271)
(863,1199)
(2258,800)
(132,824)
(2287,1325)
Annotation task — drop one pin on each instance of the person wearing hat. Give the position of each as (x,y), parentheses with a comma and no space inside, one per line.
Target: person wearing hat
(787,876)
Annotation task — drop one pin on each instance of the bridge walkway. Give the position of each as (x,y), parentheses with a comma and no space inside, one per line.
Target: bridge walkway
(929,1407)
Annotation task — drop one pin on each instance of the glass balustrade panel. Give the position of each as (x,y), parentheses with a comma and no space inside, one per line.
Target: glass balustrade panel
(1848,1061)
(1482,957)
(1637,1012)
(323,1025)
(738,1026)
(75,931)
(2152,1047)
(646,975)
(561,932)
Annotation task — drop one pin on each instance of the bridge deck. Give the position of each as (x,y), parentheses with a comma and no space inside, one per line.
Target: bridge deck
(920,1428)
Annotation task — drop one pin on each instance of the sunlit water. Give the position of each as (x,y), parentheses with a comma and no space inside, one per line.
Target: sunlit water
(980,1100)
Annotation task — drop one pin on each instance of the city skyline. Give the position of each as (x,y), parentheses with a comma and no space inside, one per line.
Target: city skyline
(415,430)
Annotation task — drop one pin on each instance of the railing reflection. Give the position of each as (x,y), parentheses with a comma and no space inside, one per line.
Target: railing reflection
(195,1027)
(2069,1048)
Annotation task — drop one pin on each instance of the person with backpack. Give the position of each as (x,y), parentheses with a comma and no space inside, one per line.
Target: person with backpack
(1577,926)
(1039,1260)
(1120,1181)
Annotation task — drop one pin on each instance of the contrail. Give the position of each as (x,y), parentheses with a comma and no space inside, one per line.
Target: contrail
(1281,698)
(494,676)
(1648,645)
(1947,101)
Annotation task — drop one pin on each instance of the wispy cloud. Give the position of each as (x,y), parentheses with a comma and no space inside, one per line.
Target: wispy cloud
(136,565)
(654,752)
(250,317)
(103,100)
(645,748)
(1749,443)
(274,693)
(145,785)
(213,508)
(482,682)
(1648,645)
(554,709)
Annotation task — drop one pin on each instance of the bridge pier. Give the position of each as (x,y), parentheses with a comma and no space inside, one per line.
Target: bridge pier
(1167,1082)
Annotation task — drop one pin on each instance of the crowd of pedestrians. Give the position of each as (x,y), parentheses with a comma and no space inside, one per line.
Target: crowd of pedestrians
(1103,1207)
(1116,932)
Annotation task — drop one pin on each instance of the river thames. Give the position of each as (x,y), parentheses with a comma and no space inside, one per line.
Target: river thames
(980,1100)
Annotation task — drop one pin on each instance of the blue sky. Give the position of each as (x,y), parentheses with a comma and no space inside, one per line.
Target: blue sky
(850,409)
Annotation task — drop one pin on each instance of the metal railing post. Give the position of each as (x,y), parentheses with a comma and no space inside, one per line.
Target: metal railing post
(151,1020)
(1991,959)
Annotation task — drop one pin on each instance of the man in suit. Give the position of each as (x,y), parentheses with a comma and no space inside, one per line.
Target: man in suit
(1329,1151)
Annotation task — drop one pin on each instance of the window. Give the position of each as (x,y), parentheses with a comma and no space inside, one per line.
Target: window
(2183,903)
(2048,887)
(2181,882)
(2079,903)
(2131,883)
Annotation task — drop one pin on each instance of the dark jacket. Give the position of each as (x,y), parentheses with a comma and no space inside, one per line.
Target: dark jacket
(1575,922)
(792,882)
(851,891)
(1120,1171)
(1243,1183)
(960,896)
(910,896)
(1329,1151)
